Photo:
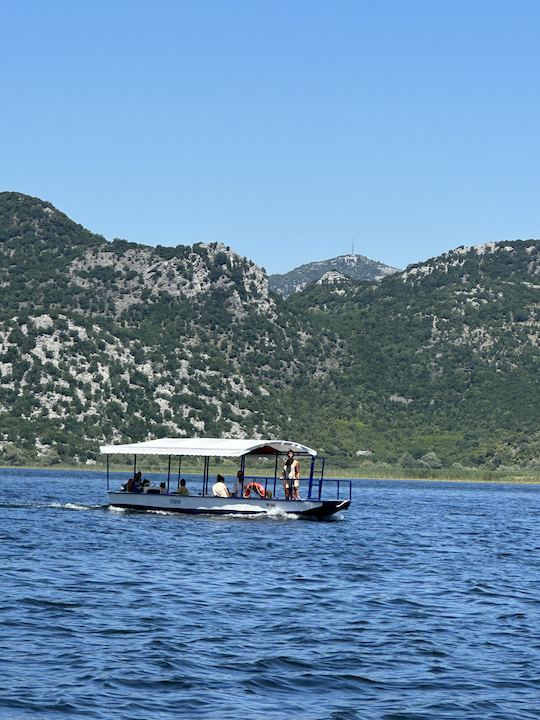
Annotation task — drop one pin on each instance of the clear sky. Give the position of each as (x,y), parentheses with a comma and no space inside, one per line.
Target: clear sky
(283,128)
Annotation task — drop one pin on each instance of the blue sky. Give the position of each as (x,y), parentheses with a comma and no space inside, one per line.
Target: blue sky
(284,129)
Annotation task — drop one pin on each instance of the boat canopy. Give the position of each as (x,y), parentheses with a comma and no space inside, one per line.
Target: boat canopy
(207,447)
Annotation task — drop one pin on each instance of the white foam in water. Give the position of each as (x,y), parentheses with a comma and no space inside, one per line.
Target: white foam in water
(337,517)
(277,513)
(236,516)
(73,506)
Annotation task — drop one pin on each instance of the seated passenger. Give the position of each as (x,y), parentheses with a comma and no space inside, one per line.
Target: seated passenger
(238,487)
(134,484)
(182,489)
(162,488)
(219,489)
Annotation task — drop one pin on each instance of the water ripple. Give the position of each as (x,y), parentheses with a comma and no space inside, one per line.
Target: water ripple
(421,602)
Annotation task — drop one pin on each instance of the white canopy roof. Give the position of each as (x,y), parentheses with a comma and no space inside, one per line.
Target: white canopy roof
(204,447)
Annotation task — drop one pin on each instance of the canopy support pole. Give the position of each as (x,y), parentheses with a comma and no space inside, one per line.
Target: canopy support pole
(169,474)
(107,473)
(312,471)
(134,465)
(206,473)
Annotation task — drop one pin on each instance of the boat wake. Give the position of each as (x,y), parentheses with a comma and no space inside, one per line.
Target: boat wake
(337,517)
(53,505)
(74,506)
(277,514)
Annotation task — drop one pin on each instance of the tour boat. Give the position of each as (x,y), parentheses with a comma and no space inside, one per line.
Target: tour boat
(255,495)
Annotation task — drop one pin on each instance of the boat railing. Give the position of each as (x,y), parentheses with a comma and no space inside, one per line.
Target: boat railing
(310,489)
(318,488)
(321,489)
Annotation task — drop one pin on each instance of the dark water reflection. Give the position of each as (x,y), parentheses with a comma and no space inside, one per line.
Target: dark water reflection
(423,602)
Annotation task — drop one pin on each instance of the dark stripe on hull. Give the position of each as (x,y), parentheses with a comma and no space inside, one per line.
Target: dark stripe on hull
(186,511)
(328,508)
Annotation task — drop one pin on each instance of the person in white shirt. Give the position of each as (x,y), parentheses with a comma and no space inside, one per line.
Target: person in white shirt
(219,489)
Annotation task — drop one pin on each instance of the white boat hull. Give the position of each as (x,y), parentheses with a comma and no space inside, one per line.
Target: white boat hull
(196,504)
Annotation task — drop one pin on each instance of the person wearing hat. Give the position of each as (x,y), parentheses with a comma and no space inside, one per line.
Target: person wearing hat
(219,489)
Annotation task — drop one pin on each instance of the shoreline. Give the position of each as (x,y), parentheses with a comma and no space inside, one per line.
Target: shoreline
(479,476)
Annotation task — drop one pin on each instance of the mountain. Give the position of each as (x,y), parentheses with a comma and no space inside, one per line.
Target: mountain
(356,267)
(101,341)
(443,357)
(105,341)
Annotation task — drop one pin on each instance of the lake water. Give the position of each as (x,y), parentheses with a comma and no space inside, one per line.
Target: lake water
(421,602)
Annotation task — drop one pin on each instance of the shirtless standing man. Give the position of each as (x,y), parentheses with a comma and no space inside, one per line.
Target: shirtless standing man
(291,477)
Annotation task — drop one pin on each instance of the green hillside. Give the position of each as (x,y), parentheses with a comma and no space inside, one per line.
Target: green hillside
(117,341)
(442,358)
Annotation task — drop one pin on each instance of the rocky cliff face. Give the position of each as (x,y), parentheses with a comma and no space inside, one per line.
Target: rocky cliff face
(135,275)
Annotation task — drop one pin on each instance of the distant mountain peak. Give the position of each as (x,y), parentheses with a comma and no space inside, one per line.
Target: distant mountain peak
(352,266)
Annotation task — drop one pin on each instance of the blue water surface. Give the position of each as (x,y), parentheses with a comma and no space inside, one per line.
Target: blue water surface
(421,602)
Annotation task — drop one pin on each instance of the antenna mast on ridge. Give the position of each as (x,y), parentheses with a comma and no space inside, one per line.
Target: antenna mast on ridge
(353,254)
